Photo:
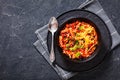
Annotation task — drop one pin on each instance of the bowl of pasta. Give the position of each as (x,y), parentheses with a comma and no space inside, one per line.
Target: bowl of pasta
(78,39)
(81,41)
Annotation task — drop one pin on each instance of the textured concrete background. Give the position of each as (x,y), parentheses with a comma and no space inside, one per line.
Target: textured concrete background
(19,60)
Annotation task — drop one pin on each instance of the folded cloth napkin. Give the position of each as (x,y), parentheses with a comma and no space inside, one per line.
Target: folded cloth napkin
(41,33)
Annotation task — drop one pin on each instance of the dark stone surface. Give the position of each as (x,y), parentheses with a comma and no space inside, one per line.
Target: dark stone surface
(19,60)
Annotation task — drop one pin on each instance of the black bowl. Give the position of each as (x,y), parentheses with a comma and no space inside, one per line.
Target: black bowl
(103,36)
(71,21)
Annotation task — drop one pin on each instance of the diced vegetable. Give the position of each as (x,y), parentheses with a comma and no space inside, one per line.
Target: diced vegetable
(77,34)
(81,27)
(76,47)
(77,54)
(73,48)
(67,45)
(76,42)
(81,46)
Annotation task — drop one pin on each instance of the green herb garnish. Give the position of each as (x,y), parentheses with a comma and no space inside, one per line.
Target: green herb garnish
(81,27)
(67,45)
(77,54)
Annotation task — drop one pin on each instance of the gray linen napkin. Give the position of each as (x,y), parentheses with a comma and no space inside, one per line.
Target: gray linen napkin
(41,33)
